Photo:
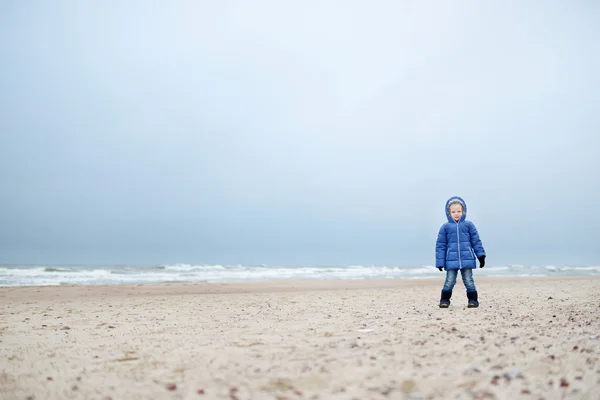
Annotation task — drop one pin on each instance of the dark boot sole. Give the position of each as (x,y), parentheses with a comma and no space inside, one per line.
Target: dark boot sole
(472,305)
(444,305)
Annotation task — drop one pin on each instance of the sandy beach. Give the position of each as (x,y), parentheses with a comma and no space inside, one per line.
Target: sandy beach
(531,338)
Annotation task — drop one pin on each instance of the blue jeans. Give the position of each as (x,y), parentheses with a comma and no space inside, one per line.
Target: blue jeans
(467,277)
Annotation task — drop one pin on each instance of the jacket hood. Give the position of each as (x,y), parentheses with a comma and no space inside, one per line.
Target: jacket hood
(450,200)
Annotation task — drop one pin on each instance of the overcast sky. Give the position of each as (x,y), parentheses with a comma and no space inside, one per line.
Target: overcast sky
(288,132)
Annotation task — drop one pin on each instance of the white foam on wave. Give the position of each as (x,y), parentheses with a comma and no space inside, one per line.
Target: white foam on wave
(189,267)
(57,275)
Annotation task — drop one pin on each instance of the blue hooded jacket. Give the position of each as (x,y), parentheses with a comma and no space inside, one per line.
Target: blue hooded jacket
(458,244)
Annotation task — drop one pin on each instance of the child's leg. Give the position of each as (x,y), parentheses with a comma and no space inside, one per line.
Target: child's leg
(448,286)
(450,279)
(467,276)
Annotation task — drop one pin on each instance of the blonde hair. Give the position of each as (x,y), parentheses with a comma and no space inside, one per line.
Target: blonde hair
(456,201)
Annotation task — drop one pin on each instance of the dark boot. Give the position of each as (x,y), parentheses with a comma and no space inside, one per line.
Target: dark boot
(472,296)
(445,300)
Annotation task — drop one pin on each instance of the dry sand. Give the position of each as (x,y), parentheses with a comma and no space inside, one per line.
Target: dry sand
(531,338)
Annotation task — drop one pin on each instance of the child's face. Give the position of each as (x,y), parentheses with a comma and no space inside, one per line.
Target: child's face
(456,212)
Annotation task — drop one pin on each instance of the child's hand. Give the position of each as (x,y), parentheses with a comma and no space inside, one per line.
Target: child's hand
(481,261)
(440,268)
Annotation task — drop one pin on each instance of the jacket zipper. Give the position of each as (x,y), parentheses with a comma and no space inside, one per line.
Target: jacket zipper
(458,238)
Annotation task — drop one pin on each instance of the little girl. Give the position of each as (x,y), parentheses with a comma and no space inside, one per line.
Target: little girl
(456,248)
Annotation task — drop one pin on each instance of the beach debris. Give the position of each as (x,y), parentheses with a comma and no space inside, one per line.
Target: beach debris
(171,386)
(49,378)
(200,391)
(364,330)
(563,382)
(65,328)
(495,379)
(484,394)
(594,337)
(128,359)
(525,391)
(386,390)
(472,370)
(408,386)
(513,373)
(590,361)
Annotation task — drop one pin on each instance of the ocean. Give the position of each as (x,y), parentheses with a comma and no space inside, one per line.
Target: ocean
(45,275)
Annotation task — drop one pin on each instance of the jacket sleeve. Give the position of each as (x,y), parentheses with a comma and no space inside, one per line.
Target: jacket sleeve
(441,245)
(476,241)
